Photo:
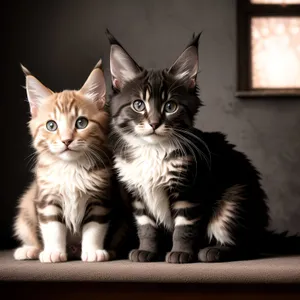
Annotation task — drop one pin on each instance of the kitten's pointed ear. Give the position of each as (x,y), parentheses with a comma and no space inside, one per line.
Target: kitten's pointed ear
(94,88)
(122,66)
(36,91)
(187,64)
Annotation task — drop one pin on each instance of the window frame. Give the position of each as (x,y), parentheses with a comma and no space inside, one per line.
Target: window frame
(245,10)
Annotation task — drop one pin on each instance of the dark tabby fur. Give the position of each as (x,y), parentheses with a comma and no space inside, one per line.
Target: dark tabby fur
(190,184)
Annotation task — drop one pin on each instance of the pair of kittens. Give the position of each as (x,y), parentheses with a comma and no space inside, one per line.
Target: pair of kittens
(194,197)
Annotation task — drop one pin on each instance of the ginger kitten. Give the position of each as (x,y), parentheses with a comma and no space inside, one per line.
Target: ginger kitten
(68,206)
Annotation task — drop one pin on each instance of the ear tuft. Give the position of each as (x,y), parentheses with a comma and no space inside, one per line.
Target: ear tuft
(111,38)
(98,64)
(25,70)
(122,66)
(195,39)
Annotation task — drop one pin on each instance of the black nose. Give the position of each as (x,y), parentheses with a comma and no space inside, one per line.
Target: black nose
(154,125)
(67,142)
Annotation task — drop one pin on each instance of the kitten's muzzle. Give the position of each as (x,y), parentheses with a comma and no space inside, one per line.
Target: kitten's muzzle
(154,125)
(67,142)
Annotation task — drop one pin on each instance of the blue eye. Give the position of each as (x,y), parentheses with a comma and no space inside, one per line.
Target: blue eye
(81,123)
(51,125)
(138,105)
(170,107)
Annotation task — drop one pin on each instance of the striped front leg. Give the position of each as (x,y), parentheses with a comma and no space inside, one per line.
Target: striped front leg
(94,229)
(187,226)
(53,232)
(147,233)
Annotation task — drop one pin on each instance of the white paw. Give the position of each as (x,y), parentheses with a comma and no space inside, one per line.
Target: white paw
(52,256)
(95,255)
(27,252)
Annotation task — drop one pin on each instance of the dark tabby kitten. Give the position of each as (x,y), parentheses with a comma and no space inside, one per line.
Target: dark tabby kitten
(192,184)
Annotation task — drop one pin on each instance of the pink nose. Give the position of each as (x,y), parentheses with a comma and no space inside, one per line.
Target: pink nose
(67,142)
(154,125)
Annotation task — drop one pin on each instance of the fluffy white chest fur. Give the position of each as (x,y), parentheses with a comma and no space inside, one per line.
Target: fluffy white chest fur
(68,183)
(148,173)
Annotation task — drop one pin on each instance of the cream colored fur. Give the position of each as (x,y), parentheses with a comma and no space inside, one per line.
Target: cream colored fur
(67,177)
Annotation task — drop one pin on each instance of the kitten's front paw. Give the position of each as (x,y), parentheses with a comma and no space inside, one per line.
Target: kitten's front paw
(174,257)
(142,256)
(210,254)
(95,255)
(222,254)
(52,256)
(27,252)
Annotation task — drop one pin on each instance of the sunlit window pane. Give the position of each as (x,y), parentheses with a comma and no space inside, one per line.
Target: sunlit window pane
(275,1)
(275,52)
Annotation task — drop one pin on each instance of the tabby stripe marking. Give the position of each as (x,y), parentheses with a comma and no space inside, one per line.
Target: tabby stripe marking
(47,219)
(37,131)
(99,125)
(59,106)
(76,110)
(99,219)
(97,210)
(44,203)
(71,104)
(120,109)
(183,205)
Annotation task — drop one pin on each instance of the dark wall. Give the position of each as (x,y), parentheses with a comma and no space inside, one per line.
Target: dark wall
(61,41)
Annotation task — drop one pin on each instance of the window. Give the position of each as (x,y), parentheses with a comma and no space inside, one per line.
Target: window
(268,48)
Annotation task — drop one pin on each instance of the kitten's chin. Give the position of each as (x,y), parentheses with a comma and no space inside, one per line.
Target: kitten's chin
(153,139)
(69,155)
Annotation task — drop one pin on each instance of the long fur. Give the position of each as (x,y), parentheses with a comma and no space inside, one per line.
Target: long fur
(67,211)
(193,185)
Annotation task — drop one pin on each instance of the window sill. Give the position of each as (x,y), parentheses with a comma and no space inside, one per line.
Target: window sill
(292,93)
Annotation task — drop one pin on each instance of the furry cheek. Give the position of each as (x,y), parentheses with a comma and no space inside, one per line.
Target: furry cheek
(56,147)
(124,126)
(40,142)
(162,130)
(48,141)
(143,128)
(40,145)
(92,136)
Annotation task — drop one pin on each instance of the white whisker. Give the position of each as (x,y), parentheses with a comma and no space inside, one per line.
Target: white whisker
(201,153)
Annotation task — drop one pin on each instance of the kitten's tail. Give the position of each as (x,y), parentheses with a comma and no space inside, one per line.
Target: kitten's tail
(280,243)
